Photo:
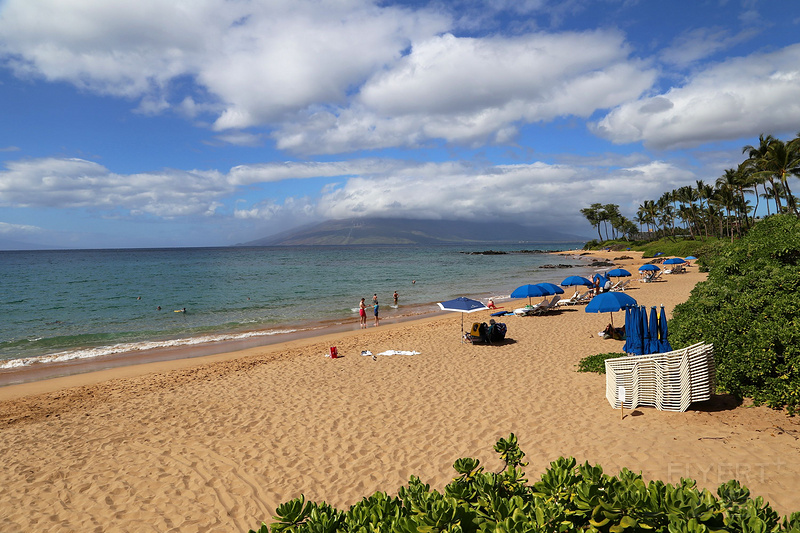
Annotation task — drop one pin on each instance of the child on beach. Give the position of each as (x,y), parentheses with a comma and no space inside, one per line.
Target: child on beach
(375,308)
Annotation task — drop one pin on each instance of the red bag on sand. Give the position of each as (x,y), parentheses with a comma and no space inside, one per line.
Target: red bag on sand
(334,352)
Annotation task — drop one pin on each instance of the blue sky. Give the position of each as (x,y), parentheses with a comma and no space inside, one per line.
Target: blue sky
(212,122)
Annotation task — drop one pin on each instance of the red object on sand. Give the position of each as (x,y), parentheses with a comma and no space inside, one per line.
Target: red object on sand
(334,352)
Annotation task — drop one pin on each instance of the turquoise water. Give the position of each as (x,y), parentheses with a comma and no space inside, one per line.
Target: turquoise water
(78,304)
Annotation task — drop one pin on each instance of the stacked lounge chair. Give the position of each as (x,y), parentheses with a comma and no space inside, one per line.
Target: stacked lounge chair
(669,381)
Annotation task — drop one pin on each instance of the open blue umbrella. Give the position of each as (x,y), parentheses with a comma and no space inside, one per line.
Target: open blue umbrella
(652,344)
(527,291)
(608,302)
(462,304)
(691,258)
(551,288)
(649,266)
(663,332)
(571,281)
(618,273)
(674,261)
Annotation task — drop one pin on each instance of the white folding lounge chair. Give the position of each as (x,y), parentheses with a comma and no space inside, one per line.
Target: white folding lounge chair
(572,300)
(550,306)
(669,381)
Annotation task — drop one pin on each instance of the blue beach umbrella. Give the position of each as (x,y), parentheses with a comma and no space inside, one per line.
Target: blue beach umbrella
(618,273)
(652,331)
(462,305)
(691,258)
(674,261)
(643,328)
(608,302)
(572,281)
(551,288)
(633,328)
(527,291)
(648,266)
(663,332)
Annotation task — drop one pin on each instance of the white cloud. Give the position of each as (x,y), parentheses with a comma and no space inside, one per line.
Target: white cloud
(700,43)
(17,229)
(472,90)
(741,97)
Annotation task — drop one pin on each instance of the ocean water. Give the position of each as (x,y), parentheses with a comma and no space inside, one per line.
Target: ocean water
(79,304)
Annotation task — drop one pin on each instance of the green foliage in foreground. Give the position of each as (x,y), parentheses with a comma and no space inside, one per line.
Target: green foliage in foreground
(749,308)
(597,363)
(568,497)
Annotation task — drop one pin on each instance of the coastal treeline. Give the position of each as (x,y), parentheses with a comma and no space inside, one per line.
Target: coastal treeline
(568,497)
(726,208)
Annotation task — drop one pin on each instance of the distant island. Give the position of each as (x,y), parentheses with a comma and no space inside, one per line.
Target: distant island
(394,231)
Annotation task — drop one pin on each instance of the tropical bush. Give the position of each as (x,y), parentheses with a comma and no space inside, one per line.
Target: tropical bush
(750,310)
(568,497)
(597,363)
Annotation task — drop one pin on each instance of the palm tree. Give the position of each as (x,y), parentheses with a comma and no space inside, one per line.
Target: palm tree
(755,158)
(592,214)
(783,160)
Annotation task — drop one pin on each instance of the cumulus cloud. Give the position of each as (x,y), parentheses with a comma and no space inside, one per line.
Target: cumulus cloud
(324,76)
(740,97)
(456,190)
(77,183)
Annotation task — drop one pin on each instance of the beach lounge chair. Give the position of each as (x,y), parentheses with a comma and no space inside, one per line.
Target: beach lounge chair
(669,381)
(622,285)
(549,307)
(572,300)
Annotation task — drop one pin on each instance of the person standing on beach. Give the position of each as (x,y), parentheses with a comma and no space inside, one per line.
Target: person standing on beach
(362,312)
(375,310)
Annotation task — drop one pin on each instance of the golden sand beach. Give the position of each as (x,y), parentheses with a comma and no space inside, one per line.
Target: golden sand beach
(216,443)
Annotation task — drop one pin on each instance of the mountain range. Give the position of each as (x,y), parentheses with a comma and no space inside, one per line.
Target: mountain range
(370,231)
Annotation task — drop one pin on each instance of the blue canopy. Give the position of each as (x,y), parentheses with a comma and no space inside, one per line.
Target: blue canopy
(663,341)
(618,273)
(608,302)
(527,291)
(551,288)
(691,258)
(649,266)
(576,280)
(674,261)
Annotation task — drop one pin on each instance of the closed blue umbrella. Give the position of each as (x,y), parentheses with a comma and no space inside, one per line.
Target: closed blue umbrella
(643,328)
(674,261)
(608,302)
(663,332)
(551,288)
(618,273)
(652,343)
(527,291)
(633,331)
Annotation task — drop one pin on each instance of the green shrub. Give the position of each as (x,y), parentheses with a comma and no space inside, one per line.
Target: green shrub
(568,498)
(597,362)
(750,310)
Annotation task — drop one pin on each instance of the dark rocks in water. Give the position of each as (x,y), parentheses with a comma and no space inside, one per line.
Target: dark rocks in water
(496,252)
(486,252)
(601,264)
(556,266)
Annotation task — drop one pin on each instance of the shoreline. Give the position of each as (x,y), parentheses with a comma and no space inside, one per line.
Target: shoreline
(218,442)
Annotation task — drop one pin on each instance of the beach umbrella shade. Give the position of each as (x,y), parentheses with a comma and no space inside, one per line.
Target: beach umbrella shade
(462,305)
(572,281)
(663,332)
(652,330)
(691,258)
(648,266)
(618,273)
(551,288)
(527,291)
(674,261)
(608,302)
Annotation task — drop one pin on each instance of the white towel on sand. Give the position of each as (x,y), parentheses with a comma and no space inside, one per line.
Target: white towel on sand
(398,352)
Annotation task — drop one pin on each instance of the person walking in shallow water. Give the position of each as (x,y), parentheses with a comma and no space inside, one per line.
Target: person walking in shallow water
(375,310)
(362,312)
